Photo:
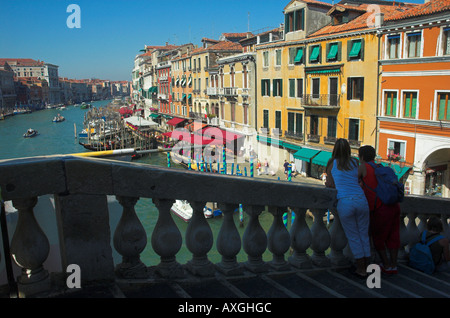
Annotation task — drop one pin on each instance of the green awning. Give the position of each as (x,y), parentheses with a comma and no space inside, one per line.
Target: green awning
(299,56)
(314,54)
(184,97)
(327,71)
(189,96)
(276,141)
(356,48)
(153,115)
(322,158)
(291,146)
(306,154)
(333,51)
(264,139)
(398,171)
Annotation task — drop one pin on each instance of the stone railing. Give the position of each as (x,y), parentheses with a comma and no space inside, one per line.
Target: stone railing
(81,185)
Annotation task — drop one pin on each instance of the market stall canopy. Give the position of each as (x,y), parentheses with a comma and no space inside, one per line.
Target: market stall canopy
(140,122)
(175,121)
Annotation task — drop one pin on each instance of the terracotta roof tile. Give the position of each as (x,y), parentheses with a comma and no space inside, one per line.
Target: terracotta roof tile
(358,23)
(431,7)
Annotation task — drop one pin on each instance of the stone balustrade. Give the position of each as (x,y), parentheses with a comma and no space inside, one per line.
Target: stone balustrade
(81,185)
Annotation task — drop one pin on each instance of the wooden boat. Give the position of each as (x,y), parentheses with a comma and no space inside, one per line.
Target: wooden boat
(96,146)
(85,106)
(30,133)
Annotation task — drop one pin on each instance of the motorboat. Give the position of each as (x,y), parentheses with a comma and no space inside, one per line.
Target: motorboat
(30,133)
(183,209)
(58,118)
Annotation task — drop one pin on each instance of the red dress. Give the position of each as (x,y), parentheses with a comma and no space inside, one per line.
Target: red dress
(384,219)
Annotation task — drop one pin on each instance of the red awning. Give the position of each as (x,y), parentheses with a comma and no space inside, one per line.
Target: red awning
(175,121)
(191,138)
(125,110)
(214,132)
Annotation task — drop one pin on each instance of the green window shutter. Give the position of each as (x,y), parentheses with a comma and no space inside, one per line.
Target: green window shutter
(303,19)
(388,110)
(394,105)
(299,56)
(280,87)
(356,48)
(299,123)
(332,50)
(314,57)
(407,105)
(286,23)
(339,53)
(413,105)
(263,88)
(291,119)
(294,21)
(291,87)
(349,88)
(361,53)
(441,114)
(361,88)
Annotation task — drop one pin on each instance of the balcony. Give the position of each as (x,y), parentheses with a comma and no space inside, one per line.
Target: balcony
(229,91)
(212,91)
(313,138)
(293,135)
(317,266)
(321,101)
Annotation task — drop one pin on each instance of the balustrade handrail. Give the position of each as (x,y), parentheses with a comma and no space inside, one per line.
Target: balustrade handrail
(80,186)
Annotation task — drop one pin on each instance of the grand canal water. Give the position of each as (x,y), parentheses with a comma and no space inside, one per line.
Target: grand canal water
(59,138)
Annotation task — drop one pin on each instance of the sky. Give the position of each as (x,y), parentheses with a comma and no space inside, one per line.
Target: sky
(112,32)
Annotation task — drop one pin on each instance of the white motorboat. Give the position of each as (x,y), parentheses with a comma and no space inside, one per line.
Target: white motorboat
(183,209)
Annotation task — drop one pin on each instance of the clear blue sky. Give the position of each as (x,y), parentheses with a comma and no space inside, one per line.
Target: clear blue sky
(112,32)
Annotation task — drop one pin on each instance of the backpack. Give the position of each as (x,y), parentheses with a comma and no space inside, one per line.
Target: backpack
(420,255)
(389,190)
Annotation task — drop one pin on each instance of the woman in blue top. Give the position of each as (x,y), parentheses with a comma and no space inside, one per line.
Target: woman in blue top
(343,173)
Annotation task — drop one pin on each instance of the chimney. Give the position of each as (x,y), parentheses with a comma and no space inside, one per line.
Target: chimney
(379,19)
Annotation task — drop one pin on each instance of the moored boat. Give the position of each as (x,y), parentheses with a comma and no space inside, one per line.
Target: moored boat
(183,209)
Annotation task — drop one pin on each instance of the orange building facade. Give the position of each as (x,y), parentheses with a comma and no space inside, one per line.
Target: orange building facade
(414,96)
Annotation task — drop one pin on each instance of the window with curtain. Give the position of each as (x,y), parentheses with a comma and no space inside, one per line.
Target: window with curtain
(409,104)
(413,44)
(393,46)
(443,112)
(390,103)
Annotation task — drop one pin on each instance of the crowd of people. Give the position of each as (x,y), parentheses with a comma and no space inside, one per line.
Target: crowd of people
(365,218)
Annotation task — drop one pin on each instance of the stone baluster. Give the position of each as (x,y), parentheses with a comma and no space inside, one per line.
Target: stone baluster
(423,219)
(130,240)
(199,240)
(228,242)
(279,239)
(338,242)
(166,241)
(30,248)
(301,238)
(320,239)
(255,240)
(413,231)
(404,239)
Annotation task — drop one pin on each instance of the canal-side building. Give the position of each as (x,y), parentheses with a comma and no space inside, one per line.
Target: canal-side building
(205,69)
(281,85)
(7,91)
(414,100)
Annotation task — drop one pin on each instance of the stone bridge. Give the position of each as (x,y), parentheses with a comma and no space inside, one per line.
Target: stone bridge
(316,266)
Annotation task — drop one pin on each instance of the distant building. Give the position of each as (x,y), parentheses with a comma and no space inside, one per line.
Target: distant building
(7,91)
(40,70)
